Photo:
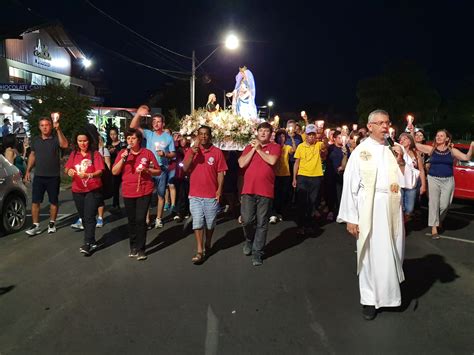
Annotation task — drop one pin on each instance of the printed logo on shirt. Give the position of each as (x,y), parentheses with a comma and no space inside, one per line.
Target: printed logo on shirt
(143,161)
(211,161)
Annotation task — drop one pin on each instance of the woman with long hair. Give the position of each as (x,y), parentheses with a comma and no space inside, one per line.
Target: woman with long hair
(85,165)
(137,166)
(415,162)
(440,176)
(115,146)
(212,105)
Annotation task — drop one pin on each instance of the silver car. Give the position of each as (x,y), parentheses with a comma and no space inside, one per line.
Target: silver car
(12,198)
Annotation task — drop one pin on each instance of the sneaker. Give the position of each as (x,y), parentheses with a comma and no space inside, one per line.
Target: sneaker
(133,253)
(51,228)
(34,230)
(273,219)
(141,255)
(257,261)
(177,218)
(100,222)
(78,224)
(88,249)
(158,223)
(167,207)
(247,249)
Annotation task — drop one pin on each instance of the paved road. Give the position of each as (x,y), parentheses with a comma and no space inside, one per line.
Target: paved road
(303,300)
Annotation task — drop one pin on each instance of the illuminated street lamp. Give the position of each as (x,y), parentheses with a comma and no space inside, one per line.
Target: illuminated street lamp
(270,105)
(86,63)
(231,42)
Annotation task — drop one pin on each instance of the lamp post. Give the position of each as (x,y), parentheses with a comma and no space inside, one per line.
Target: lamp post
(270,105)
(231,42)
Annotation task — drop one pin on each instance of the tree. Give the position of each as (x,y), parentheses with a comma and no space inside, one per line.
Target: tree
(402,89)
(73,107)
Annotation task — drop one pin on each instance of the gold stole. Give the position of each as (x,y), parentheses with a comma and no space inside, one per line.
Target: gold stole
(368,174)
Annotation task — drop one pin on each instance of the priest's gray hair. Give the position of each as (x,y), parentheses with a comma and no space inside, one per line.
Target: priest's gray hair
(375,113)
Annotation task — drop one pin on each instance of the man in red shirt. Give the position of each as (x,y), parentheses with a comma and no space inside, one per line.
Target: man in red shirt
(207,165)
(258,160)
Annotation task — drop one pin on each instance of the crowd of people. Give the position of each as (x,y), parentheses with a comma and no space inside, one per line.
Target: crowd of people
(357,176)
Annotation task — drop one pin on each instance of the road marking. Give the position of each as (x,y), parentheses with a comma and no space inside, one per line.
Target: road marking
(212,333)
(452,238)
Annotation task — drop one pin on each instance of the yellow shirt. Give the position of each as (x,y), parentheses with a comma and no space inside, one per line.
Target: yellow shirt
(310,159)
(282,166)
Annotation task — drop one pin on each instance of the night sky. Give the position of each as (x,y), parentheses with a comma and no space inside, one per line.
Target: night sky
(300,53)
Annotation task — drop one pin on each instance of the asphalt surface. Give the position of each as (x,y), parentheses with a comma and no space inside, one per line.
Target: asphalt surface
(303,300)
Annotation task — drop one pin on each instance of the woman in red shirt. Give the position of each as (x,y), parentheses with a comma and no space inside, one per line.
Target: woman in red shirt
(85,166)
(137,166)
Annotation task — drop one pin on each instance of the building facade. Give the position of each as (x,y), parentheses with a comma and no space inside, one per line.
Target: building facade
(34,57)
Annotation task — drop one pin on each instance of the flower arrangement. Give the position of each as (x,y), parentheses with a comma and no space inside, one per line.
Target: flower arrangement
(229,131)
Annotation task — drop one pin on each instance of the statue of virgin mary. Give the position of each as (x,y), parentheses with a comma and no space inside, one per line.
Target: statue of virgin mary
(243,96)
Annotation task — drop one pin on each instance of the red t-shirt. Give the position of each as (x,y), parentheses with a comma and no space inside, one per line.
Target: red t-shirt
(84,164)
(204,169)
(259,176)
(135,184)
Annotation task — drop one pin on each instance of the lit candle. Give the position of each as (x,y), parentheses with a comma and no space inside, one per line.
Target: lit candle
(354,127)
(55,117)
(303,114)
(410,119)
(327,131)
(320,124)
(157,145)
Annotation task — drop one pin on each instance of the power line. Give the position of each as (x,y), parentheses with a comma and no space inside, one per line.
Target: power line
(124,57)
(134,32)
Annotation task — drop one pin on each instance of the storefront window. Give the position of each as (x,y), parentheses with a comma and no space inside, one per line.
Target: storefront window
(21,76)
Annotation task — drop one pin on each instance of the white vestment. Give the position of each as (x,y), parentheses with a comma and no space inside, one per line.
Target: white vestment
(371,199)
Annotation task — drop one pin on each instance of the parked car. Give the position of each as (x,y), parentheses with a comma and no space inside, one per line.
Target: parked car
(12,198)
(464,176)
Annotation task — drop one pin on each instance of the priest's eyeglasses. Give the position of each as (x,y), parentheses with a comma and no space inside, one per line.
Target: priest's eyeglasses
(382,123)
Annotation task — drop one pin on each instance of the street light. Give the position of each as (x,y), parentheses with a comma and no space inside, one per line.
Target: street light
(231,42)
(86,63)
(270,105)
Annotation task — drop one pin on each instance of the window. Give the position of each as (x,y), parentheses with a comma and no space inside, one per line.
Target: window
(21,76)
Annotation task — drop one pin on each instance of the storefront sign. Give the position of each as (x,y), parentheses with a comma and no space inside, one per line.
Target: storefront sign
(42,56)
(18,87)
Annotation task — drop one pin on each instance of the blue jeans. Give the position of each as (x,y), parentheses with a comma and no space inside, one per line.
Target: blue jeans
(161,182)
(255,209)
(408,199)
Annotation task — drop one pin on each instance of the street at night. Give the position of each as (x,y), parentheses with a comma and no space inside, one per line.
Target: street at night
(303,300)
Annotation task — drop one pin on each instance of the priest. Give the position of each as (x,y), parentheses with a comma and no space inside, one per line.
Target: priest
(371,208)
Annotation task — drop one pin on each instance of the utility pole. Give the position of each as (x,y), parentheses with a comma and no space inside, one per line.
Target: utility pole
(193,81)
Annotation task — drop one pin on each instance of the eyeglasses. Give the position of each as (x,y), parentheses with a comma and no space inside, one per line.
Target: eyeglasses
(382,123)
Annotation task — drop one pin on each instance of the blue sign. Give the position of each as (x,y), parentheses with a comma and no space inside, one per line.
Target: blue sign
(18,87)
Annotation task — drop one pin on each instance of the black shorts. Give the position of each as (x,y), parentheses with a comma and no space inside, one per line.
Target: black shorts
(46,183)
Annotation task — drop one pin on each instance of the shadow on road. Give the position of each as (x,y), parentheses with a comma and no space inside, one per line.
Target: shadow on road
(166,238)
(288,239)
(114,236)
(230,239)
(4,290)
(420,275)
